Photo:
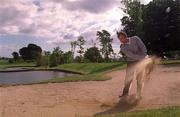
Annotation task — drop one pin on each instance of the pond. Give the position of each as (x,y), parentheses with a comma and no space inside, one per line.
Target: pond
(24,77)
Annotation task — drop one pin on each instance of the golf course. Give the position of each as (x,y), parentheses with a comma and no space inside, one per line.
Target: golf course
(95,93)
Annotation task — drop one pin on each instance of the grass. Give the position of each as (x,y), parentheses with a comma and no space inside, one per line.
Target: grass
(74,78)
(163,112)
(90,71)
(91,68)
(5,64)
(170,62)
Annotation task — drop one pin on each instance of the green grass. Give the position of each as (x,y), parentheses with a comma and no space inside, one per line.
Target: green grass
(170,62)
(75,78)
(163,112)
(91,68)
(5,64)
(90,71)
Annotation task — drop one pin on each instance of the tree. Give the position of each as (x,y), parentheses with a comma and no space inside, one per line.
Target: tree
(132,22)
(162,26)
(68,57)
(30,52)
(106,42)
(73,47)
(59,55)
(24,52)
(157,24)
(15,55)
(93,54)
(39,60)
(80,43)
(78,59)
(35,50)
(53,61)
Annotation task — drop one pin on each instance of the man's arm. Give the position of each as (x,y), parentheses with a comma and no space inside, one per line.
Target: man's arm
(132,55)
(141,45)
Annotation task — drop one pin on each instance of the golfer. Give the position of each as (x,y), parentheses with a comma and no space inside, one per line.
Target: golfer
(135,51)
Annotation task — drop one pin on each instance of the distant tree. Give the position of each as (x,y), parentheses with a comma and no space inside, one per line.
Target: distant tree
(39,60)
(30,52)
(53,61)
(47,53)
(24,52)
(68,57)
(106,42)
(80,43)
(59,55)
(78,59)
(73,47)
(15,55)
(132,22)
(93,54)
(35,50)
(45,61)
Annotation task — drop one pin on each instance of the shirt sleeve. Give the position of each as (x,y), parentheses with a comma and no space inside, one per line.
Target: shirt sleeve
(141,45)
(130,54)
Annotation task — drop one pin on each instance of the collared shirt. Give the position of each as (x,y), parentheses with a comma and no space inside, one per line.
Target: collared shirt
(135,49)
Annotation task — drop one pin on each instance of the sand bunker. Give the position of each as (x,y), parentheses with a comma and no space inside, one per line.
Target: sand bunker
(90,98)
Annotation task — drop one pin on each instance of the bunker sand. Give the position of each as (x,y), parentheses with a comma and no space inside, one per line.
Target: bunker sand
(90,98)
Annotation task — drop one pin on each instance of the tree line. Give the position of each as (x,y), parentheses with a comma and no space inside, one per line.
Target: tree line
(157,24)
(34,52)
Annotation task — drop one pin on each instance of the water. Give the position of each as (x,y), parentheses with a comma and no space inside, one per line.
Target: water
(29,76)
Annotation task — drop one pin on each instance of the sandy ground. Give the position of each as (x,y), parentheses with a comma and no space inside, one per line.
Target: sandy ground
(90,98)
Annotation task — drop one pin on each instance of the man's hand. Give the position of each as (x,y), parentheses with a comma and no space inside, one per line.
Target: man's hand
(147,56)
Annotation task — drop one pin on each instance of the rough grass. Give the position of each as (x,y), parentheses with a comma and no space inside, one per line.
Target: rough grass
(163,112)
(5,64)
(91,68)
(74,78)
(91,72)
(170,62)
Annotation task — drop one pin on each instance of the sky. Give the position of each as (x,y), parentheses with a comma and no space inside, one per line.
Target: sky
(52,23)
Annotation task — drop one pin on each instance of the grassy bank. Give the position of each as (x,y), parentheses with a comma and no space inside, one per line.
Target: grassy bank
(91,68)
(163,112)
(5,64)
(170,62)
(90,71)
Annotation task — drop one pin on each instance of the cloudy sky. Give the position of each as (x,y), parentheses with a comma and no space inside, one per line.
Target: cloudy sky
(51,23)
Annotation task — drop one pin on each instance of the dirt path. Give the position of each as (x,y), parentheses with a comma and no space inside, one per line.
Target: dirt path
(89,98)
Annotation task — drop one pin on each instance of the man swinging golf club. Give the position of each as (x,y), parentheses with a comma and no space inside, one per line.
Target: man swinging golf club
(135,51)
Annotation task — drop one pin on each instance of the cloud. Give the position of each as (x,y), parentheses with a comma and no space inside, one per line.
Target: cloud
(92,6)
(57,22)
(7,49)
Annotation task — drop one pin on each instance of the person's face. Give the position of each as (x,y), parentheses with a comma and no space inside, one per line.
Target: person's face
(122,38)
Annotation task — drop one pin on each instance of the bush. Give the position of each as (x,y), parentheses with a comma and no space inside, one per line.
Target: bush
(78,59)
(45,61)
(10,61)
(53,62)
(39,60)
(93,54)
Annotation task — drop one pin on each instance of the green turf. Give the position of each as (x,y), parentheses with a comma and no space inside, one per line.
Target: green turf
(169,62)
(163,112)
(90,68)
